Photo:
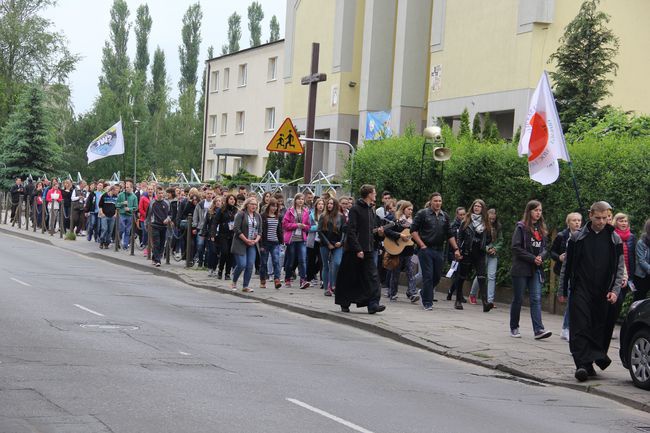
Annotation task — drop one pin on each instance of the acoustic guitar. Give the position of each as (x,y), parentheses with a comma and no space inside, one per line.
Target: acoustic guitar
(395,247)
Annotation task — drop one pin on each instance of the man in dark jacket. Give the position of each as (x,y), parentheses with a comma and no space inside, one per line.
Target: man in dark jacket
(593,270)
(358,281)
(16,191)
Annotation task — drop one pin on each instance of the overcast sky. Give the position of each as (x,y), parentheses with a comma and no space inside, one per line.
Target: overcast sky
(85,24)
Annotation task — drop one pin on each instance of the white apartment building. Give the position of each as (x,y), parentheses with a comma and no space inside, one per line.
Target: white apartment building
(243,108)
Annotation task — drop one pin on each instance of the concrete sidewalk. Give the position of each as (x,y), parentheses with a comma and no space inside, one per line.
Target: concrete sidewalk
(469,335)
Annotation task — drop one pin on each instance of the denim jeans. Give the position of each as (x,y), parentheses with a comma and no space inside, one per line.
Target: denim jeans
(406,265)
(106,229)
(270,249)
(492,262)
(199,244)
(331,262)
(294,249)
(212,254)
(125,230)
(158,235)
(244,263)
(431,268)
(534,286)
(93,226)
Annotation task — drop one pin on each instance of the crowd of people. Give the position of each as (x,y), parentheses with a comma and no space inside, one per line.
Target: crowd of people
(352,249)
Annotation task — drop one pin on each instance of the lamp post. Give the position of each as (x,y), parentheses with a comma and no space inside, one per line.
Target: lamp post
(433,134)
(135,150)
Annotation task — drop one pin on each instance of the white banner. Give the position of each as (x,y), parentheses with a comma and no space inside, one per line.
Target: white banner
(542,139)
(110,143)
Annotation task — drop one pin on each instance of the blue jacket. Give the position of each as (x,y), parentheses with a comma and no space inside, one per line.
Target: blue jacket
(642,259)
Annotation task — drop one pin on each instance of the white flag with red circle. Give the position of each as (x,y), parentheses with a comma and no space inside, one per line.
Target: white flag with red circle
(542,139)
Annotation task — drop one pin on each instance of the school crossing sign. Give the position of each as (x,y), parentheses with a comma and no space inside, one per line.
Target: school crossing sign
(285,139)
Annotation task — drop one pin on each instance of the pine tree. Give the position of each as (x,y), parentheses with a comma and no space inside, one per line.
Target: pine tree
(27,145)
(490,130)
(234,33)
(275,29)
(464,125)
(585,62)
(255,17)
(476,127)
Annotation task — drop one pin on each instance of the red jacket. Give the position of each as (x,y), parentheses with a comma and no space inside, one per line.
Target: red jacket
(143,207)
(49,195)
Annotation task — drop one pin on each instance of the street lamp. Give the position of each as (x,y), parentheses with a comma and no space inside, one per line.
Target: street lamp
(433,134)
(135,150)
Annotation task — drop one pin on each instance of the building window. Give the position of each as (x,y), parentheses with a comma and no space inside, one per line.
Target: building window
(226,78)
(272,73)
(224,123)
(270,119)
(213,125)
(237,164)
(215,81)
(210,170)
(239,120)
(243,68)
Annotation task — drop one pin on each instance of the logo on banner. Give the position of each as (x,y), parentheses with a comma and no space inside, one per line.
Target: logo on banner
(105,143)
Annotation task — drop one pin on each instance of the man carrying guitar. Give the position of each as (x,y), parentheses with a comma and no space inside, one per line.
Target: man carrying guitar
(398,242)
(358,281)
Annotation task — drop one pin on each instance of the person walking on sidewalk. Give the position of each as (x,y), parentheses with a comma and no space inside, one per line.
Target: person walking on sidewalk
(295,225)
(493,249)
(226,233)
(53,202)
(159,218)
(403,221)
(558,254)
(127,203)
(332,232)
(528,254)
(270,245)
(430,229)
(16,191)
(455,226)
(593,269)
(358,280)
(474,235)
(210,232)
(642,272)
(247,234)
(107,211)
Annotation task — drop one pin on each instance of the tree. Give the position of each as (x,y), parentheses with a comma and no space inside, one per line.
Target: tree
(299,169)
(189,57)
(158,109)
(476,126)
(143,24)
(275,29)
(30,51)
(255,17)
(27,145)
(490,130)
(234,34)
(585,62)
(201,104)
(464,124)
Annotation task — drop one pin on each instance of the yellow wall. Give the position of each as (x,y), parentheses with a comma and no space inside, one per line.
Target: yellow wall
(315,23)
(484,54)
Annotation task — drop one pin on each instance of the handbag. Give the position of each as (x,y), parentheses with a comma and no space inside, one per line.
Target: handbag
(390,261)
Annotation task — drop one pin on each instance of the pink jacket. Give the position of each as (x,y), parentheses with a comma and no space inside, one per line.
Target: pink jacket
(289,224)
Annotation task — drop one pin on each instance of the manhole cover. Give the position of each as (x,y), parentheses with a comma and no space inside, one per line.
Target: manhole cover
(111,327)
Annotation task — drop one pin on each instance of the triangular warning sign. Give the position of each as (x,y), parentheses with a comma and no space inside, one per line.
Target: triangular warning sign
(285,139)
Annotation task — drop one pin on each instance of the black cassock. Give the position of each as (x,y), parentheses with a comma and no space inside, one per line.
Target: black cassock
(358,281)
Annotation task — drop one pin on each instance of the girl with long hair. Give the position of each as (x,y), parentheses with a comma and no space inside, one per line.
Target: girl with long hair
(529,250)
(314,264)
(210,230)
(270,244)
(226,233)
(295,225)
(474,235)
(493,249)
(247,234)
(331,231)
(403,218)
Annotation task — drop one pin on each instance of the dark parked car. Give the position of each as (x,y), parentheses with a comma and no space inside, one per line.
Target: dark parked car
(635,343)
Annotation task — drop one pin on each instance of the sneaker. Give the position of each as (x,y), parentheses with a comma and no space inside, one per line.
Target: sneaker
(220,275)
(581,374)
(233,286)
(210,273)
(564,335)
(287,283)
(157,264)
(328,292)
(145,252)
(393,298)
(277,283)
(414,298)
(262,284)
(472,299)
(247,290)
(428,307)
(543,334)
(304,284)
(514,333)
(227,277)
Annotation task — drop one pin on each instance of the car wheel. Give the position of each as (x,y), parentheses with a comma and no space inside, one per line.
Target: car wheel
(639,356)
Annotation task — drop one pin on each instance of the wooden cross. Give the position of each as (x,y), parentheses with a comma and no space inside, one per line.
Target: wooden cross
(312,81)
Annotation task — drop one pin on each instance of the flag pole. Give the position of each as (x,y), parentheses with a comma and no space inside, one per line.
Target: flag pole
(575,187)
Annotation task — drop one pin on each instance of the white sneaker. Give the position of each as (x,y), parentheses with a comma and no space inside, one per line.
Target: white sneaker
(514,333)
(564,335)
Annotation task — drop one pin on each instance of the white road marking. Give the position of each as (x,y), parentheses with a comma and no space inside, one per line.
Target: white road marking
(185,353)
(20,282)
(329,415)
(89,310)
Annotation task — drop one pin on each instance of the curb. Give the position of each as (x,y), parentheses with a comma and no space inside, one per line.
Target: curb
(345,319)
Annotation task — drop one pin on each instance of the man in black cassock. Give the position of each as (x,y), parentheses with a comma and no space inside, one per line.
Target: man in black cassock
(593,269)
(358,281)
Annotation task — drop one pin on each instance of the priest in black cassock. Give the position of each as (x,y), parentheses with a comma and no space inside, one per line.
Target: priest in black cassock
(358,281)
(593,269)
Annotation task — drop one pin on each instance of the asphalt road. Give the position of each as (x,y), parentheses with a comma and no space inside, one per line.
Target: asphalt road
(87,346)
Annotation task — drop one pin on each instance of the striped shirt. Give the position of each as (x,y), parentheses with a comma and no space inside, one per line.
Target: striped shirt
(272,230)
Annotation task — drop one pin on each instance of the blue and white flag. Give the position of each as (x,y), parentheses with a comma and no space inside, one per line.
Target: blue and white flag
(109,143)
(378,125)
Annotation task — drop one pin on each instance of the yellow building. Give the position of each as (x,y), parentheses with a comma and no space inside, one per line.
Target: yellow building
(418,60)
